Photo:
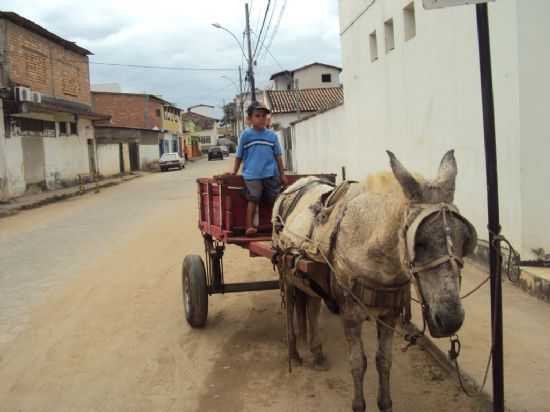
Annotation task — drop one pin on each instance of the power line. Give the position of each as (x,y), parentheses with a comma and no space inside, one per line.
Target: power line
(262,28)
(144,66)
(276,27)
(358,17)
(266,33)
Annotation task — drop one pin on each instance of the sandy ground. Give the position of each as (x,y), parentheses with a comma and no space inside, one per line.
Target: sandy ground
(105,331)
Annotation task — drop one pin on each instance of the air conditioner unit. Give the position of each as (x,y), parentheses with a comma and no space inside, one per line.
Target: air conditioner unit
(36,97)
(23,94)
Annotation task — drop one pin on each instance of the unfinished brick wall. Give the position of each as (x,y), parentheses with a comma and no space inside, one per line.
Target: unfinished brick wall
(129,110)
(45,66)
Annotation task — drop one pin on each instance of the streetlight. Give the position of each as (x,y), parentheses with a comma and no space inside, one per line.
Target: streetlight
(219,26)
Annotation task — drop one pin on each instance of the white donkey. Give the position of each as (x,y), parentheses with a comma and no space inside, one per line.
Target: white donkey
(377,237)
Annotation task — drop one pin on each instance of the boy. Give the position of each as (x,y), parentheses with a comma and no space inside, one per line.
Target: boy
(263,170)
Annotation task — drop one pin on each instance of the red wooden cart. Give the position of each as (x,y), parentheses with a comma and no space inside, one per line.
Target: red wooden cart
(222,210)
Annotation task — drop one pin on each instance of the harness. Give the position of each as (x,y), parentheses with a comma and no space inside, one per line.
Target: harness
(397,296)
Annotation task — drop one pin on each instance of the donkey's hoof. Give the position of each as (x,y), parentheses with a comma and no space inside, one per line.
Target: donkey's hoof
(296,360)
(320,363)
(358,406)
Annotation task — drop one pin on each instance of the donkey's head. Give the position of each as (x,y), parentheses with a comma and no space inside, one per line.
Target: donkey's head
(435,238)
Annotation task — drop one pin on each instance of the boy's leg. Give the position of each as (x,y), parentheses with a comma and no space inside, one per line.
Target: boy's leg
(272,189)
(254,189)
(250,211)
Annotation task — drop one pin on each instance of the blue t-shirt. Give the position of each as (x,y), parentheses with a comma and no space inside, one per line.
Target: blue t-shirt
(258,149)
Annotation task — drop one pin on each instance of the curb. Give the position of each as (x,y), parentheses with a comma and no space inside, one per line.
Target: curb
(441,358)
(60,197)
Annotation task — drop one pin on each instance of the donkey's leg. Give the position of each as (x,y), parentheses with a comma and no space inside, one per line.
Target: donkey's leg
(290,295)
(384,325)
(358,362)
(313,312)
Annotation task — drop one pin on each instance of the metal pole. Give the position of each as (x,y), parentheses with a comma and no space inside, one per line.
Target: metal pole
(250,63)
(492,203)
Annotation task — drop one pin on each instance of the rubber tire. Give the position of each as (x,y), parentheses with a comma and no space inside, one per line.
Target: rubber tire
(193,275)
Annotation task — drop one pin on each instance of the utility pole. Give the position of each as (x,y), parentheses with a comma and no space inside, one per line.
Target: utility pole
(250,73)
(241,102)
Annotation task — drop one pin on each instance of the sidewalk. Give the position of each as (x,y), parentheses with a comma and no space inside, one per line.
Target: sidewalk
(31,201)
(526,342)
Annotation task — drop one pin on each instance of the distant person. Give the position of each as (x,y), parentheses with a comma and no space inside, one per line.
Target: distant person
(263,170)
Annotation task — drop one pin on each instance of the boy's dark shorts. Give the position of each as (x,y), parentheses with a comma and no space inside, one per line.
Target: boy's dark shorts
(268,189)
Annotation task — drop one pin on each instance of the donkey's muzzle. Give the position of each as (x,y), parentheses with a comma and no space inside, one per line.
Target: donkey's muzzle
(445,320)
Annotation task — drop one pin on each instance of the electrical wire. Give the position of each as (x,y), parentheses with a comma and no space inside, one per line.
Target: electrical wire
(275,29)
(144,66)
(357,17)
(261,40)
(262,28)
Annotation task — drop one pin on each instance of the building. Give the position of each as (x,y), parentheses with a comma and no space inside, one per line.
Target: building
(201,129)
(415,89)
(47,139)
(172,131)
(311,76)
(134,138)
(288,106)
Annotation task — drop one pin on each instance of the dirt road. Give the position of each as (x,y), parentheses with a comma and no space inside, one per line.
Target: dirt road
(95,319)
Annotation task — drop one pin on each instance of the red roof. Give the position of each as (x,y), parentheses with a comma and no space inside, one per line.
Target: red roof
(308,100)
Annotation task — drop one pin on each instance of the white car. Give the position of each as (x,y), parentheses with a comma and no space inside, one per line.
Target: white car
(171,160)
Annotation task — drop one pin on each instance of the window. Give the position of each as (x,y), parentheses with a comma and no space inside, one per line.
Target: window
(205,139)
(158,112)
(373,46)
(326,78)
(73,129)
(33,127)
(409,20)
(388,34)
(62,128)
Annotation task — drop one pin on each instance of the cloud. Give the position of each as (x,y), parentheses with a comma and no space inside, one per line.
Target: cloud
(180,34)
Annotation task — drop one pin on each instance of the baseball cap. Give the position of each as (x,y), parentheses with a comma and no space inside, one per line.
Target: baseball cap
(257,106)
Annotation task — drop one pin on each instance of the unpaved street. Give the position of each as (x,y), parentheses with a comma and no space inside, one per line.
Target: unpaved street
(91,318)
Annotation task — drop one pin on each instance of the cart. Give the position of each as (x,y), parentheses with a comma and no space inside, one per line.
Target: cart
(222,209)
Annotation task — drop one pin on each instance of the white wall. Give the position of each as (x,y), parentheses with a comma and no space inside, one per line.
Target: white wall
(534,89)
(284,119)
(67,156)
(318,143)
(108,159)
(148,153)
(310,78)
(423,98)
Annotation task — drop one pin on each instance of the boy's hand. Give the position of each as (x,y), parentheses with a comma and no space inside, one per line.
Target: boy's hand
(284,180)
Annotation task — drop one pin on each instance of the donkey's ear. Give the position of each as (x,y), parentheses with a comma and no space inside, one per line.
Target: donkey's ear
(408,183)
(447,173)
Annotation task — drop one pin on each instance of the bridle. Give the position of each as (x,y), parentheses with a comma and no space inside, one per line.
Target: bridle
(415,215)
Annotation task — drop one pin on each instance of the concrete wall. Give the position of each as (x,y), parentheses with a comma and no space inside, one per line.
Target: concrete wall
(148,153)
(12,181)
(108,160)
(318,143)
(126,157)
(284,119)
(310,78)
(534,89)
(67,156)
(422,98)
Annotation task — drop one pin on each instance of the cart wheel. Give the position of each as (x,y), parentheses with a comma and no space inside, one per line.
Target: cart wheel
(195,294)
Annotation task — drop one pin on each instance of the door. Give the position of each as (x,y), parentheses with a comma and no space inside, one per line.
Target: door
(134,156)
(287,141)
(121,157)
(34,165)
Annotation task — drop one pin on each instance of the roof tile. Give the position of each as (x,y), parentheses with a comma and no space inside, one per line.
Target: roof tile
(308,100)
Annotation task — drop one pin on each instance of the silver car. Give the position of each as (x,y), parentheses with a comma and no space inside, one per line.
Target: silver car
(171,160)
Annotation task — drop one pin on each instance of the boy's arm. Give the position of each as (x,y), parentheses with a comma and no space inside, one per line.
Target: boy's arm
(237,165)
(282,175)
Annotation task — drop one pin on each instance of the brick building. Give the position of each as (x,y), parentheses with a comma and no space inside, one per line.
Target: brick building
(150,125)
(48,136)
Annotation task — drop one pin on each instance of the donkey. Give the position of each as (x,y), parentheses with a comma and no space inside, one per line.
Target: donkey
(383,234)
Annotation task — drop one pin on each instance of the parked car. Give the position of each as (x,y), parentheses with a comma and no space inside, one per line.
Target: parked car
(171,160)
(225,150)
(215,152)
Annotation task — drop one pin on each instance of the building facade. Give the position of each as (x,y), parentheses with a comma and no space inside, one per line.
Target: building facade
(310,76)
(48,137)
(414,88)
(134,138)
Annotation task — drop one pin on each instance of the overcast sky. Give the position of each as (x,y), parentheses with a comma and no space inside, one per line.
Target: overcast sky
(180,34)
